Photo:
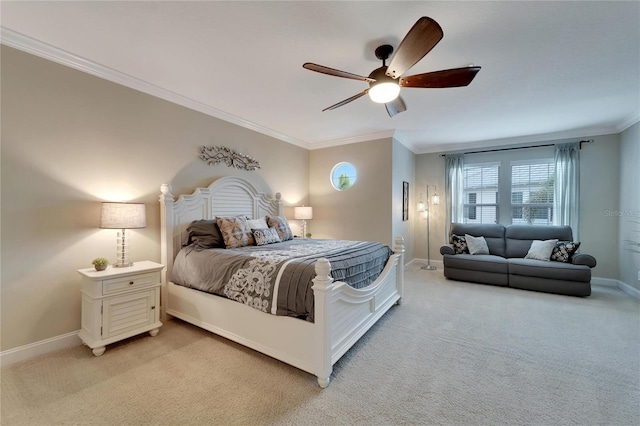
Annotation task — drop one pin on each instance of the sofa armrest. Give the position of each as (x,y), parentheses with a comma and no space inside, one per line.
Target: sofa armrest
(584,259)
(447,249)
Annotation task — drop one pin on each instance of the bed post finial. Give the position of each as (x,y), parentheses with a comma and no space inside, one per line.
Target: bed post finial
(322,289)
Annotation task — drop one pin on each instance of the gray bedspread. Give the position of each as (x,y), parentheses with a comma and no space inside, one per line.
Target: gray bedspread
(258,275)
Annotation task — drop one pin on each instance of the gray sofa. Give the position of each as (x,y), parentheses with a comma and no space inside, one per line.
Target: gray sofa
(506,264)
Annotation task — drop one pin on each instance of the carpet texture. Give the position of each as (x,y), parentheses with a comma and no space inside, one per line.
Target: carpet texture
(452,354)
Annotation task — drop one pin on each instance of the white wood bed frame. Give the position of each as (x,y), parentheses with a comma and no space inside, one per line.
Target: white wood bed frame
(342,314)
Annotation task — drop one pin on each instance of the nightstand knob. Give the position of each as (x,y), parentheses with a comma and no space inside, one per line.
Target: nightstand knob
(130,282)
(153,307)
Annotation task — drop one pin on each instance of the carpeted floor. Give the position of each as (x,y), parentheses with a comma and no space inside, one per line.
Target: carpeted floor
(452,354)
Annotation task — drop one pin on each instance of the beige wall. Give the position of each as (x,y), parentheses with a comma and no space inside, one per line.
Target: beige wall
(599,183)
(403,171)
(429,171)
(629,210)
(70,141)
(364,211)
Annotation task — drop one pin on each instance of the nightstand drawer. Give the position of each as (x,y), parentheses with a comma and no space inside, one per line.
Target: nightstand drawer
(131,282)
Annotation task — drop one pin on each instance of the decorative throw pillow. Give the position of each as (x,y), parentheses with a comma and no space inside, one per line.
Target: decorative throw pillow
(282,227)
(541,250)
(459,244)
(205,234)
(266,236)
(260,223)
(235,231)
(477,245)
(564,250)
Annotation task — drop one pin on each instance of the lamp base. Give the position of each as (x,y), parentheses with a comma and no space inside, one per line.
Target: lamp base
(428,268)
(122,265)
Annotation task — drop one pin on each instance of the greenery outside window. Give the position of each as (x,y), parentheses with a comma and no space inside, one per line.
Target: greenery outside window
(343,176)
(532,183)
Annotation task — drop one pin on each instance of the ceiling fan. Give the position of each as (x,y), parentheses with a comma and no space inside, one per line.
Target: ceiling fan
(385,82)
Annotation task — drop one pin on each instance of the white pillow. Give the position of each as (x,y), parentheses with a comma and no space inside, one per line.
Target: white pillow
(260,223)
(477,245)
(541,250)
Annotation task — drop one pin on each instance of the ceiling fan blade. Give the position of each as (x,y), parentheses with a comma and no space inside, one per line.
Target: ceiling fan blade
(337,73)
(420,39)
(396,106)
(455,77)
(346,101)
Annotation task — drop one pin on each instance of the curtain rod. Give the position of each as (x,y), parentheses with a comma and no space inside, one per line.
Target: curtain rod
(520,147)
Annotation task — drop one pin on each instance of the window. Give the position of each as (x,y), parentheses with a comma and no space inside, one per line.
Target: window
(532,192)
(481,193)
(343,176)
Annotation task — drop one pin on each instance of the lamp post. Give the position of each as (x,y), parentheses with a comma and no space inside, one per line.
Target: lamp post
(424,208)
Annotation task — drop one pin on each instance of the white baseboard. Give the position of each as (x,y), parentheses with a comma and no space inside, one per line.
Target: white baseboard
(630,290)
(23,353)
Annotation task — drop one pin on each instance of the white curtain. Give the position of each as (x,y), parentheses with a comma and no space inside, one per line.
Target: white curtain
(566,194)
(454,190)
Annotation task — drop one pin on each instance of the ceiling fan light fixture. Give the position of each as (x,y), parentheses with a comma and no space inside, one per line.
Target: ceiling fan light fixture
(384,92)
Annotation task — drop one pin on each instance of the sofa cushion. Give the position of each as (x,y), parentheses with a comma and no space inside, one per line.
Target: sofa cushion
(492,233)
(549,270)
(477,262)
(518,238)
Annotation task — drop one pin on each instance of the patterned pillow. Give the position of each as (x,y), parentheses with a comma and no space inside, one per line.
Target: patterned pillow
(266,236)
(235,231)
(459,244)
(564,250)
(282,227)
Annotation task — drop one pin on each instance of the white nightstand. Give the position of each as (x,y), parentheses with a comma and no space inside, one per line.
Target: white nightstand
(118,303)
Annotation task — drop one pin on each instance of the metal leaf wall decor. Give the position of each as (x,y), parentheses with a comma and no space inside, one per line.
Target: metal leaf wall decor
(221,154)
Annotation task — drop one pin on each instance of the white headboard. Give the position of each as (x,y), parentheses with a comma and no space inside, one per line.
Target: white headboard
(227,196)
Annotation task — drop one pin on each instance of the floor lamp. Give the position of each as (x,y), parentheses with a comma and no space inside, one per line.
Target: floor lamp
(424,208)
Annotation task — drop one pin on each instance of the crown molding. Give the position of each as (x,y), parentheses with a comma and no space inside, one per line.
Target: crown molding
(44,50)
(630,121)
(352,139)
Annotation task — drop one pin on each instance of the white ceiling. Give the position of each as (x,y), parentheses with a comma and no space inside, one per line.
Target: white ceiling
(549,69)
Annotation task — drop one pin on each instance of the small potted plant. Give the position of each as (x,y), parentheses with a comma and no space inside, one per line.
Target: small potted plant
(100,263)
(308,235)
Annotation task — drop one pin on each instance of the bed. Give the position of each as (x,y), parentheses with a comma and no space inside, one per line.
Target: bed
(341,314)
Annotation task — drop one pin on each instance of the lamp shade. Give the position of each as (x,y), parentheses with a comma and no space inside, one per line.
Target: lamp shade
(303,212)
(123,216)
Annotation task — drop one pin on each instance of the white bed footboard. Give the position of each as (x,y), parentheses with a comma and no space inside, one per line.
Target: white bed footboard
(342,314)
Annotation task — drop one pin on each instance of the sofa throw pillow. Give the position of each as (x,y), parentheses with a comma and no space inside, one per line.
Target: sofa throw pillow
(205,234)
(266,236)
(459,244)
(282,227)
(564,250)
(477,245)
(235,231)
(541,250)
